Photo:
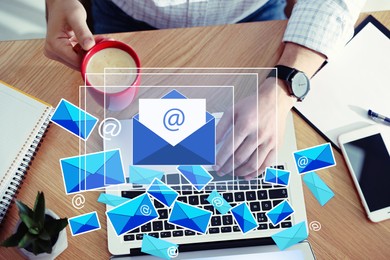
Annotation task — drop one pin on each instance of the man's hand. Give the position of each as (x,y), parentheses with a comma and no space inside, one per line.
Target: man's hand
(66,26)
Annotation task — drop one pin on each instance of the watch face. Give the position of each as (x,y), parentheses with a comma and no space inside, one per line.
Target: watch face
(300,85)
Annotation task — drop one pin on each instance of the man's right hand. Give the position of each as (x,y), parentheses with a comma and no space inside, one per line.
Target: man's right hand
(66,26)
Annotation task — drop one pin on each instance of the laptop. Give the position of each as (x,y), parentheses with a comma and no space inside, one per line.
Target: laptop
(224,239)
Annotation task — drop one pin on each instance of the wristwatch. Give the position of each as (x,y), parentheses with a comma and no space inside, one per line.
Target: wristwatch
(298,84)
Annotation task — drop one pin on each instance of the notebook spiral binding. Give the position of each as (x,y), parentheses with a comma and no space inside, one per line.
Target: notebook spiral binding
(17,180)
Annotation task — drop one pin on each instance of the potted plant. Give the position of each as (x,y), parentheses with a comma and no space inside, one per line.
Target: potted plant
(41,234)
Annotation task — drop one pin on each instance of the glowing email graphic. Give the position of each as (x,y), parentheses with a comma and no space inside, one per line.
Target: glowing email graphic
(279,213)
(276,176)
(132,214)
(162,192)
(84,223)
(111,200)
(140,175)
(291,236)
(159,247)
(179,132)
(218,202)
(244,218)
(314,158)
(74,119)
(318,188)
(197,175)
(92,171)
(191,217)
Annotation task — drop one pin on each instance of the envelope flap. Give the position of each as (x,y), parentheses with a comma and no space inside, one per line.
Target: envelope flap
(174,94)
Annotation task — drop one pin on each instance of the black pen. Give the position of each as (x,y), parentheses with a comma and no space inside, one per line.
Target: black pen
(374,115)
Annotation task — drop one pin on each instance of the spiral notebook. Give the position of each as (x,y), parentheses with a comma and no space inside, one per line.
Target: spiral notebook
(24,120)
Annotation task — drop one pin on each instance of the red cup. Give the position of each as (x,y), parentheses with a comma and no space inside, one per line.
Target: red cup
(114,101)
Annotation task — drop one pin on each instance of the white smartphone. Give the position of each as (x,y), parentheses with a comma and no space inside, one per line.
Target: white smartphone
(368,159)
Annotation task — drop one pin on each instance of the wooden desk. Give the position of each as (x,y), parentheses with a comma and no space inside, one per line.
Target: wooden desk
(346,232)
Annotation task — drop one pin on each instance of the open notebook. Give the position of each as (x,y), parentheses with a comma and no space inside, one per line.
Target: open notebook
(24,120)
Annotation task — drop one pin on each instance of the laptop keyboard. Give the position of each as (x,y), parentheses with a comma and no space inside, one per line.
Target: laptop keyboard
(260,197)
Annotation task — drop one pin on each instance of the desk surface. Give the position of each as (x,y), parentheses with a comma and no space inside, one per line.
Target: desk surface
(346,232)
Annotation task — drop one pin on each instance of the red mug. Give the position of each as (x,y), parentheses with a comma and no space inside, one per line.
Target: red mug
(122,95)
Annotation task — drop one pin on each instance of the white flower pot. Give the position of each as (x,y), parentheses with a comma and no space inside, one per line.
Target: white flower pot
(58,248)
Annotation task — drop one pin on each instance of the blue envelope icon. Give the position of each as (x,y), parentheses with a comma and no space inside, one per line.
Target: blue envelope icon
(218,202)
(158,247)
(198,176)
(244,218)
(140,175)
(277,176)
(291,236)
(191,217)
(111,200)
(196,149)
(163,193)
(282,211)
(92,171)
(318,187)
(132,214)
(314,158)
(84,223)
(74,119)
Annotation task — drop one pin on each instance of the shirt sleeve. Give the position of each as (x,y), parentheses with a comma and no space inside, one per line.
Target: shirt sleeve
(324,26)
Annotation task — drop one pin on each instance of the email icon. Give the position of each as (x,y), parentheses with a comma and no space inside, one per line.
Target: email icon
(198,176)
(218,202)
(73,119)
(197,145)
(277,176)
(158,247)
(163,193)
(279,213)
(140,175)
(132,214)
(318,187)
(314,158)
(191,217)
(84,223)
(291,236)
(92,171)
(111,200)
(244,217)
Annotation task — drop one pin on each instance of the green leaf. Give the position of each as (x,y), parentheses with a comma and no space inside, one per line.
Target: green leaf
(54,226)
(14,239)
(39,210)
(44,235)
(34,231)
(28,221)
(24,209)
(26,240)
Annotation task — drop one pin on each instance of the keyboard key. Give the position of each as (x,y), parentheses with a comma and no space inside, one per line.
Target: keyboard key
(262,226)
(146,228)
(250,195)
(158,225)
(289,218)
(131,194)
(216,221)
(158,205)
(244,185)
(163,213)
(165,234)
(209,208)
(273,227)
(286,224)
(227,220)
(228,197)
(139,236)
(189,233)
(255,206)
(280,167)
(265,185)
(239,196)
(276,202)
(261,217)
(226,229)
(278,193)
(266,205)
(198,192)
(210,187)
(182,199)
(128,237)
(193,200)
(214,230)
(254,184)
(203,199)
(262,195)
(135,231)
(155,234)
(221,187)
(186,192)
(168,226)
(173,179)
(236,229)
(178,233)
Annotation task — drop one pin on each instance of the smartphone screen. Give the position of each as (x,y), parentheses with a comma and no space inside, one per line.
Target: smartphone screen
(370,161)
